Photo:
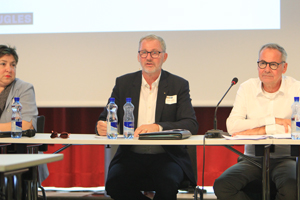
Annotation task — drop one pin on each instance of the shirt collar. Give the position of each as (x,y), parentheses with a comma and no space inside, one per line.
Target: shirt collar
(154,84)
(281,89)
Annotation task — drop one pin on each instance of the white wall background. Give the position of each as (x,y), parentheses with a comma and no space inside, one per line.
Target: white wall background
(79,69)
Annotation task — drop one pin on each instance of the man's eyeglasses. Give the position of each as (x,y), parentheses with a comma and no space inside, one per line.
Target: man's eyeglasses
(153,54)
(63,135)
(273,65)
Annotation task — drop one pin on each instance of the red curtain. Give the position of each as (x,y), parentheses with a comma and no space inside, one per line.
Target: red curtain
(83,165)
(217,160)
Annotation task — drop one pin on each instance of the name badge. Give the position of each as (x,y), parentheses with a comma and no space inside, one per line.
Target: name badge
(171,99)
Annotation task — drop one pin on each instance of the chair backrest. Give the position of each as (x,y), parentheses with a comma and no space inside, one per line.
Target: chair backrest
(40,124)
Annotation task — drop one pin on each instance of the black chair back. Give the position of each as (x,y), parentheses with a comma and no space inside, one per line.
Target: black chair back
(40,129)
(40,124)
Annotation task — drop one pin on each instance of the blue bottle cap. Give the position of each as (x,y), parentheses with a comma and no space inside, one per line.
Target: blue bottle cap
(112,99)
(17,98)
(296,99)
(128,99)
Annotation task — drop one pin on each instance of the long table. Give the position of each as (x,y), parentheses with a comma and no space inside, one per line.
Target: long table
(92,139)
(18,165)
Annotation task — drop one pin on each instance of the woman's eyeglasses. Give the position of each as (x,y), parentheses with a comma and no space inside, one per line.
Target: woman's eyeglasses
(63,135)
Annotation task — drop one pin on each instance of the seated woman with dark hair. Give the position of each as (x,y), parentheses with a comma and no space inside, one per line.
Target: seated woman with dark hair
(11,87)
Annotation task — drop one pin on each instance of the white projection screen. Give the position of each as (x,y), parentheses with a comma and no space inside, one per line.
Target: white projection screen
(72,51)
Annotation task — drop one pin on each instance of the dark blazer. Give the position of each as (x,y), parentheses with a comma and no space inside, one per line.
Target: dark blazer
(180,115)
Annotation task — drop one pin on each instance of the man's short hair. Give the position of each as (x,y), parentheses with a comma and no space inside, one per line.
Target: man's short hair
(6,50)
(154,37)
(275,46)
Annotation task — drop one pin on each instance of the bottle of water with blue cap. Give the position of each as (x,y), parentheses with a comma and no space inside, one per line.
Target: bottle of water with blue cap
(16,119)
(112,119)
(128,119)
(295,119)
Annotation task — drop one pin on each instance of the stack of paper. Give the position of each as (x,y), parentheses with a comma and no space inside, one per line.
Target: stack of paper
(258,137)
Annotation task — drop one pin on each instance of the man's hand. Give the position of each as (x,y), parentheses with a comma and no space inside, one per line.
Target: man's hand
(146,128)
(254,131)
(284,122)
(101,128)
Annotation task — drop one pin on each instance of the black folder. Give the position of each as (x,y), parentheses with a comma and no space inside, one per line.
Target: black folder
(175,134)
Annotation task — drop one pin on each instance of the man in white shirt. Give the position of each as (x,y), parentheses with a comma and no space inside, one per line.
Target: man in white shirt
(263,106)
(162,102)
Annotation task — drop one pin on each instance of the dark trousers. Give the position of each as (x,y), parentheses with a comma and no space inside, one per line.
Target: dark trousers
(125,179)
(231,183)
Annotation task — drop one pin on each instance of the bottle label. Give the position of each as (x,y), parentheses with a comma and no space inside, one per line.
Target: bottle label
(19,126)
(114,124)
(129,124)
(298,126)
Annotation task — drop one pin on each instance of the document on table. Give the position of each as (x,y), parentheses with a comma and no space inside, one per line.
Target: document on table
(104,136)
(258,137)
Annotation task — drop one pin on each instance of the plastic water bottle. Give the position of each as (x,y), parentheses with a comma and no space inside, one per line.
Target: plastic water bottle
(128,128)
(295,119)
(16,119)
(112,119)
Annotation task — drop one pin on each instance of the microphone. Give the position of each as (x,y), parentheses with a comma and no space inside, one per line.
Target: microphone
(215,133)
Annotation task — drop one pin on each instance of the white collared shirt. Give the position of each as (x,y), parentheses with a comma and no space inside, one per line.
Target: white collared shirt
(253,107)
(147,108)
(147,105)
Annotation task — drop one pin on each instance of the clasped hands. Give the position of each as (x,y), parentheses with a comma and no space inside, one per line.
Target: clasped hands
(262,131)
(145,128)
